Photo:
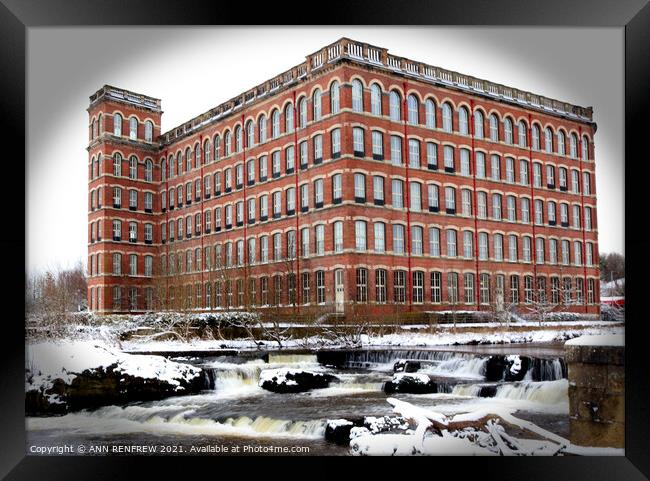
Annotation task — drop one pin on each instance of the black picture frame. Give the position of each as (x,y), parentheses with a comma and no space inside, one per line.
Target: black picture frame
(16,16)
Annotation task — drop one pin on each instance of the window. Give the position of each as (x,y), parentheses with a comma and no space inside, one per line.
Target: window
(483,251)
(563,179)
(380,286)
(433,198)
(290,159)
(277,247)
(481,200)
(521,130)
(468,281)
(565,252)
(539,250)
(320,287)
(396,150)
(292,246)
(436,287)
(320,239)
(539,212)
(399,286)
(148,233)
(485,288)
(377,145)
(302,112)
(584,147)
(507,129)
(537,175)
(338,236)
(117,164)
(587,218)
(514,289)
(277,204)
(552,251)
(398,239)
(335,99)
(498,247)
(394,102)
(575,181)
(357,96)
(432,156)
(117,125)
(535,137)
(316,104)
(397,192)
(362,285)
(318,193)
(550,177)
(430,113)
(415,197)
(464,162)
(306,294)
(375,99)
(133,264)
(463,121)
(512,248)
(263,168)
(495,164)
(548,140)
(250,139)
(378,189)
(452,287)
(413,106)
(468,244)
(451,243)
(291,200)
(478,124)
(304,197)
(525,210)
(510,169)
(117,197)
(434,241)
(577,253)
(275,123)
(564,215)
(360,235)
(450,200)
(573,146)
(416,240)
(528,289)
(380,236)
(133,199)
(418,287)
(494,128)
(337,188)
(359,188)
(117,264)
(264,248)
(275,165)
(288,118)
(261,129)
(358,142)
(586,183)
(449,158)
(523,172)
(527,249)
(496,206)
(447,123)
(560,142)
(336,143)
(480,165)
(466,201)
(318,149)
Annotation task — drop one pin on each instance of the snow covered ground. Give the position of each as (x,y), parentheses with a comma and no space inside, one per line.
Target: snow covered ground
(412,338)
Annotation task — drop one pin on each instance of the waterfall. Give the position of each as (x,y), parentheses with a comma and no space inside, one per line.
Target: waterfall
(461,366)
(547,392)
(547,370)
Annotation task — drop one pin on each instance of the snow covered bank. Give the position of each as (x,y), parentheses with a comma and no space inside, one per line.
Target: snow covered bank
(70,375)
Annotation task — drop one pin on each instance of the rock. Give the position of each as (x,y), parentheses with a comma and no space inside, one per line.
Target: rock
(507,368)
(103,386)
(292,381)
(337,359)
(338,430)
(404,365)
(410,383)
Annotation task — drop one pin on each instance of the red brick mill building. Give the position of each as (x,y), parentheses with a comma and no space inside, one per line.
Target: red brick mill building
(355,179)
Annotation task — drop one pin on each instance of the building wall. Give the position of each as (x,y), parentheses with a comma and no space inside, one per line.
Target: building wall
(349,209)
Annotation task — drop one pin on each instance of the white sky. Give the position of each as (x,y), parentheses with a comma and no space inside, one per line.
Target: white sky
(195,69)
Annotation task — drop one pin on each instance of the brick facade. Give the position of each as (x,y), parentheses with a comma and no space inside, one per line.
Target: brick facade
(378,276)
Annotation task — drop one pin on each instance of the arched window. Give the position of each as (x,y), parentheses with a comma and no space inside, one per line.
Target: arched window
(507,128)
(394,101)
(335,99)
(535,136)
(275,121)
(217,147)
(375,99)
(172,167)
(133,128)
(288,118)
(585,147)
(560,142)
(548,140)
(227,143)
(430,113)
(494,128)
(148,170)
(447,122)
(302,107)
(117,164)
(188,160)
(413,106)
(573,146)
(262,129)
(463,121)
(250,134)
(316,102)
(117,125)
(357,95)
(521,131)
(100,128)
(148,131)
(206,151)
(179,162)
(478,124)
(238,139)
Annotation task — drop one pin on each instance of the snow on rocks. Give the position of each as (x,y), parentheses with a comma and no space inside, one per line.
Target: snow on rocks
(406,365)
(287,380)
(341,431)
(70,375)
(413,383)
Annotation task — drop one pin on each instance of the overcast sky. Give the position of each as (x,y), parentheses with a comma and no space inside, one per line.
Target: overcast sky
(195,69)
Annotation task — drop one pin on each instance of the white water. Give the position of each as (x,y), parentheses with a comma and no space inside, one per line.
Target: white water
(461,367)
(546,392)
(136,419)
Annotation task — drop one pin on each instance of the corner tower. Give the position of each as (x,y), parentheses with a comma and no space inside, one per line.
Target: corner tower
(123,180)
